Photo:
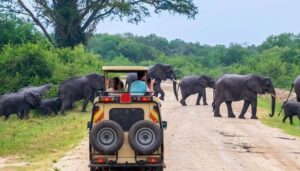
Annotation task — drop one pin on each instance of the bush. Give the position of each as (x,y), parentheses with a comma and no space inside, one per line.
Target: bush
(36,64)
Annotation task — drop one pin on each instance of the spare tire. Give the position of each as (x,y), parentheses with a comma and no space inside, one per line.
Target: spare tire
(107,137)
(145,137)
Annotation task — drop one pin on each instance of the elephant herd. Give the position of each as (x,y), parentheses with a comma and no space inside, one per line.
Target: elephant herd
(228,88)
(70,91)
(233,87)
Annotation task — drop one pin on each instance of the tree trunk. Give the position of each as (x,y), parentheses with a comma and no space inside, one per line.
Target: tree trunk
(68,32)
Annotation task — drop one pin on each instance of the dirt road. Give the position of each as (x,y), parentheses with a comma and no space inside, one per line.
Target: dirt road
(195,140)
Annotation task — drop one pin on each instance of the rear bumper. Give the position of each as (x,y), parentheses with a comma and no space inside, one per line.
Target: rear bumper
(128,165)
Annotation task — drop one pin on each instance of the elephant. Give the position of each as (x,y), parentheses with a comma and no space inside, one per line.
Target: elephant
(291,108)
(194,84)
(233,87)
(43,89)
(162,72)
(48,106)
(158,72)
(296,86)
(77,88)
(19,103)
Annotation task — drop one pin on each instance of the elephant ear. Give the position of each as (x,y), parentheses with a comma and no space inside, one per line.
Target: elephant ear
(254,84)
(32,98)
(95,81)
(158,71)
(202,81)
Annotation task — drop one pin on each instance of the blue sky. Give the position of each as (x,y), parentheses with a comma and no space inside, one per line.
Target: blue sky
(219,22)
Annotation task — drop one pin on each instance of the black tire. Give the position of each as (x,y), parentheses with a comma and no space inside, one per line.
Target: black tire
(107,137)
(145,137)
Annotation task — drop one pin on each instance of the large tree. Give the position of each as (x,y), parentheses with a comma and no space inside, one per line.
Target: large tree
(72,21)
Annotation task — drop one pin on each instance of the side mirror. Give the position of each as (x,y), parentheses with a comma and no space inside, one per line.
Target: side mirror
(89,125)
(164,124)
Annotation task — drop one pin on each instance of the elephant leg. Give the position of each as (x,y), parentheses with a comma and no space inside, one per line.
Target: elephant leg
(84,105)
(155,89)
(182,101)
(229,109)
(217,104)
(285,117)
(244,110)
(24,114)
(203,92)
(298,98)
(160,90)
(291,119)
(6,117)
(55,111)
(198,98)
(64,106)
(254,109)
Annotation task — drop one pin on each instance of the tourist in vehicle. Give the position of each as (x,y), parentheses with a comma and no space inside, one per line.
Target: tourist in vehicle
(139,87)
(115,85)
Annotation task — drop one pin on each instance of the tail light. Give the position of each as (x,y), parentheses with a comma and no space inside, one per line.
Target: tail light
(106,99)
(144,99)
(152,160)
(100,160)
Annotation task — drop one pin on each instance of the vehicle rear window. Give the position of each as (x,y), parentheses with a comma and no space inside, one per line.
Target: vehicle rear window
(126,117)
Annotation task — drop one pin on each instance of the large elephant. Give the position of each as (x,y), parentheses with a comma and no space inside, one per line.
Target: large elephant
(19,103)
(158,72)
(77,88)
(232,87)
(162,72)
(194,84)
(296,86)
(43,89)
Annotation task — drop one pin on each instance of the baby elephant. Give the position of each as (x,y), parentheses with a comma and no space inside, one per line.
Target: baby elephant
(49,106)
(291,108)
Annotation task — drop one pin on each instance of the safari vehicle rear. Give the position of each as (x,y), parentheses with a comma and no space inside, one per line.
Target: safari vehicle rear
(126,131)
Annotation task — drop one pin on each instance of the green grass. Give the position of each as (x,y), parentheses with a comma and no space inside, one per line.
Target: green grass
(41,140)
(264,104)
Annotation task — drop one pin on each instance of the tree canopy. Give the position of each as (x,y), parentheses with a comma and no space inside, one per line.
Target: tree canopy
(74,20)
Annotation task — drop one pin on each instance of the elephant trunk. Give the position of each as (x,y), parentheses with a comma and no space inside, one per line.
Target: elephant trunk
(273,96)
(174,89)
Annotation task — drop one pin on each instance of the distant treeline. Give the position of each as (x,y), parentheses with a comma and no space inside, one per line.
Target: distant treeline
(278,57)
(26,58)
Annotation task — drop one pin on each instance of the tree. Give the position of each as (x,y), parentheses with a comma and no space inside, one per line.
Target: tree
(73,20)
(15,31)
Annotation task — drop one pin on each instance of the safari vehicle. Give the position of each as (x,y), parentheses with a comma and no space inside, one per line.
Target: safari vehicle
(126,131)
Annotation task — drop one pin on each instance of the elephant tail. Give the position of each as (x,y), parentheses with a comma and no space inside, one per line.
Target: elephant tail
(286,99)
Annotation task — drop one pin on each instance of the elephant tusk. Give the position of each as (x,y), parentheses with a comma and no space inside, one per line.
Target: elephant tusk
(273,95)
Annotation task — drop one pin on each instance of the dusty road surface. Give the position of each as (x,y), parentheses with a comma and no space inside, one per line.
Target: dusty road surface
(195,140)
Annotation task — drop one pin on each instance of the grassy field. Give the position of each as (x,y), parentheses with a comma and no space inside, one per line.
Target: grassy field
(264,104)
(40,141)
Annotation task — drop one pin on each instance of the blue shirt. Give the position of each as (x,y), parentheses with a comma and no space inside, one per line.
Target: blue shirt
(138,87)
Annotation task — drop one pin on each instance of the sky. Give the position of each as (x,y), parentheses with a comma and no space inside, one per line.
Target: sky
(218,22)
